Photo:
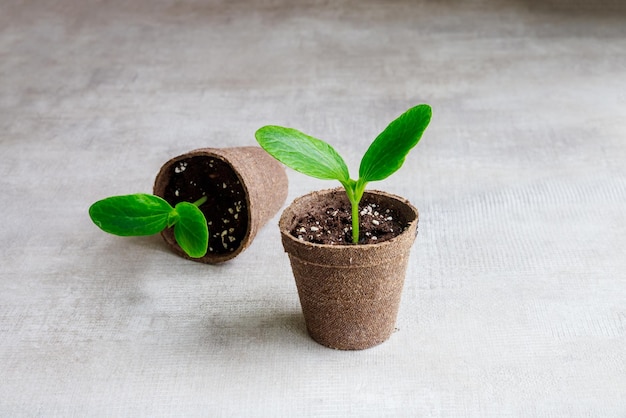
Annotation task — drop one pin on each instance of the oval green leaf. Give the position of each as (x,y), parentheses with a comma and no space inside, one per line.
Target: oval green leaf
(389,150)
(191,230)
(131,215)
(303,153)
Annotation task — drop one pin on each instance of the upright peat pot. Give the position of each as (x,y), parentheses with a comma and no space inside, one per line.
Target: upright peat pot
(244,188)
(350,294)
(349,248)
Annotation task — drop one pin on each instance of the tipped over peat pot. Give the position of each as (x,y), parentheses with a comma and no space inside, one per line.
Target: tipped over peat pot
(350,294)
(245,188)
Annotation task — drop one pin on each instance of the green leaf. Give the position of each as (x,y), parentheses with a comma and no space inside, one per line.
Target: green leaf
(389,150)
(131,215)
(303,153)
(191,231)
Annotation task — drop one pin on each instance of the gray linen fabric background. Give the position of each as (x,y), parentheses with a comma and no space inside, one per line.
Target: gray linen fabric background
(515,296)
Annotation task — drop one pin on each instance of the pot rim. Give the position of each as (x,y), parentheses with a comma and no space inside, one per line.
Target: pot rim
(399,199)
(219,154)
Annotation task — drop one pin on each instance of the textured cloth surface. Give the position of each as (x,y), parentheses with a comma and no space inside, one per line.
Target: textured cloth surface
(514,302)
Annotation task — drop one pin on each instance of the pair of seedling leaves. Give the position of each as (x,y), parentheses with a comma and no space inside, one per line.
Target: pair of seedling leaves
(144,214)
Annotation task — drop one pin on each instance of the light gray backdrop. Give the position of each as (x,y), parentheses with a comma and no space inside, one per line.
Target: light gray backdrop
(515,299)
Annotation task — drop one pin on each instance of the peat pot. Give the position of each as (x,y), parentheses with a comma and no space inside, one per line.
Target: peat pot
(349,294)
(245,187)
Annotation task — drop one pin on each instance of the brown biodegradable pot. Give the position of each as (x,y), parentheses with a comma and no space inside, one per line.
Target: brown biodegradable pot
(245,188)
(349,294)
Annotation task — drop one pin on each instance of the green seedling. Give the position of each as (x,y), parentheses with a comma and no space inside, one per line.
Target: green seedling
(146,214)
(316,158)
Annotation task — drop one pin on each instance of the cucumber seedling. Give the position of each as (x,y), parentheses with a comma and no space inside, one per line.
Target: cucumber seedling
(316,158)
(146,214)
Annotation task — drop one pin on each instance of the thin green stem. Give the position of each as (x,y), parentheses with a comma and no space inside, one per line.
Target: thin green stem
(354,190)
(200,201)
(355,222)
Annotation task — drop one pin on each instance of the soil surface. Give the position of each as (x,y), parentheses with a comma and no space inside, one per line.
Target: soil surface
(225,209)
(332,224)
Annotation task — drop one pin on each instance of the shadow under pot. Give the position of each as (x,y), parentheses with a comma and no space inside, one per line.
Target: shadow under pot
(349,293)
(244,186)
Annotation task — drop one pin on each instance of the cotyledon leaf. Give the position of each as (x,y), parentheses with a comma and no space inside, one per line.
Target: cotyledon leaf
(131,215)
(389,150)
(303,153)
(191,231)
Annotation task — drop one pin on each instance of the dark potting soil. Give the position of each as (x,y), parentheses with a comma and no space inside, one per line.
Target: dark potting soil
(225,209)
(332,224)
